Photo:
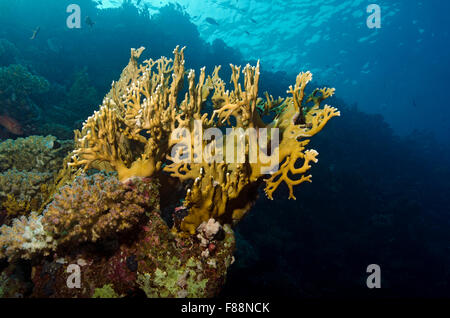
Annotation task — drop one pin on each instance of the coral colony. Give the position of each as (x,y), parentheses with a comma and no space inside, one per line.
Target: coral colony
(157,178)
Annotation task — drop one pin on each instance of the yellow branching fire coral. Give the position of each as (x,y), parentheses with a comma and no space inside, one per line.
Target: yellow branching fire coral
(142,102)
(147,124)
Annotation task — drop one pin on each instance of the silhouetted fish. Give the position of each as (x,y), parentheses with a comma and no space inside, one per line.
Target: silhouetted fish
(35,33)
(89,22)
(11,125)
(211,21)
(253,20)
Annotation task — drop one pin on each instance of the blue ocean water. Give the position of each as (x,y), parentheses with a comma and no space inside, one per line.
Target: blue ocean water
(397,70)
(380,192)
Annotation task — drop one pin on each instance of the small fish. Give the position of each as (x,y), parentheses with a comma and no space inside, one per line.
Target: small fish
(211,21)
(89,22)
(35,33)
(246,32)
(11,125)
(253,20)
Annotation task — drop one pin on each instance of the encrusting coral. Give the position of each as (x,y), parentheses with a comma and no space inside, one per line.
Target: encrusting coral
(22,191)
(132,133)
(34,153)
(97,206)
(92,207)
(27,169)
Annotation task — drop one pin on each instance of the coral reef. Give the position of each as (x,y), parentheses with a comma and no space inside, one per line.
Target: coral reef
(67,107)
(145,140)
(8,52)
(18,89)
(25,238)
(150,259)
(107,291)
(28,167)
(92,207)
(81,94)
(31,104)
(34,153)
(133,134)
(23,191)
(87,223)
(97,207)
